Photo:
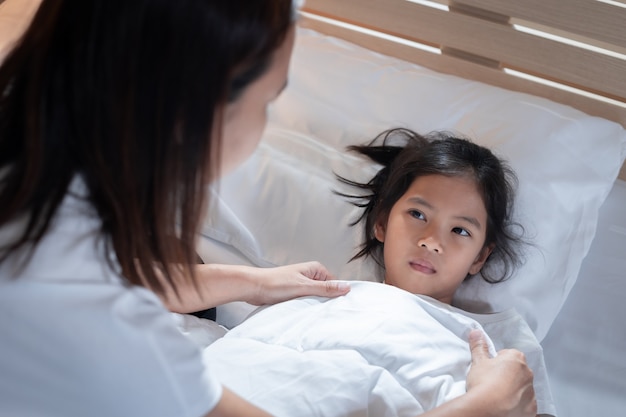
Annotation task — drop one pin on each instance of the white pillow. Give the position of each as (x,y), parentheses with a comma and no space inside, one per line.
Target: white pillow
(279,207)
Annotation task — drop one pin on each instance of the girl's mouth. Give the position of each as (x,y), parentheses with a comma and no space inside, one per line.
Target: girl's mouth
(423,266)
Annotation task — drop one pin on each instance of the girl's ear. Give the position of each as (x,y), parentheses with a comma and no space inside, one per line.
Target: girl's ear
(379,231)
(480,260)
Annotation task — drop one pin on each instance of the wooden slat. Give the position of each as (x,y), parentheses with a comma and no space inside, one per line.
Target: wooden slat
(470,70)
(487,39)
(589,18)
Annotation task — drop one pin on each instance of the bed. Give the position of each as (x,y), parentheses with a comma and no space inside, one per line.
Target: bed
(541,83)
(502,72)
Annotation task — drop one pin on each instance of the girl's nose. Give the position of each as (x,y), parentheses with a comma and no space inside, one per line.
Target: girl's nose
(431,242)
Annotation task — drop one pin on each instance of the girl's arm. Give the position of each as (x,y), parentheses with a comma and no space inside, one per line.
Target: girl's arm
(496,387)
(220,284)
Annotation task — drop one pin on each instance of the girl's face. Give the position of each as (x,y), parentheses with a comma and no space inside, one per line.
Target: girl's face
(434,236)
(244,119)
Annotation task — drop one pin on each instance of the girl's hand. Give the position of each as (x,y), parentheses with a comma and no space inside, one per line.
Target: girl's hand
(273,285)
(506,380)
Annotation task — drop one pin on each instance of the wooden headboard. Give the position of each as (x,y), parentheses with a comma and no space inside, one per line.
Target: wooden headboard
(569,51)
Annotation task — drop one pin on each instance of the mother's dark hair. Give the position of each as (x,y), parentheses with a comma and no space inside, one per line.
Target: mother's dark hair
(127,93)
(439,153)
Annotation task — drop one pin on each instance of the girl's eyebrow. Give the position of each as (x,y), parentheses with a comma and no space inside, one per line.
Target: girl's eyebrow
(472,220)
(419,200)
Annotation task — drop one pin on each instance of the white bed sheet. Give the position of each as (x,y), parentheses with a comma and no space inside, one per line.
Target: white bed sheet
(585,349)
(355,355)
(378,351)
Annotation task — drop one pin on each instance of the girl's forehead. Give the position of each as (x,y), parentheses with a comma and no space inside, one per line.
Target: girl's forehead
(465,182)
(460,193)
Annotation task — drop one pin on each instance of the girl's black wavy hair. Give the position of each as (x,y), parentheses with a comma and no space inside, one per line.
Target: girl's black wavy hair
(438,153)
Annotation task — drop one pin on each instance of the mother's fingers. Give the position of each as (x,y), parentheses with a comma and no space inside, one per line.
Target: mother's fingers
(322,282)
(283,283)
(314,270)
(331,288)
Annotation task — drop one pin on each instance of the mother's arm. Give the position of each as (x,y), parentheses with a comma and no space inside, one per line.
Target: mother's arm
(220,284)
(232,405)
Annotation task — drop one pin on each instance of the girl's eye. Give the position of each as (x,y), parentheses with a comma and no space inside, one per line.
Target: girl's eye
(461,231)
(416,214)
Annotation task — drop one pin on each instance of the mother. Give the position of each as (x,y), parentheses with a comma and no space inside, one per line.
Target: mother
(114,116)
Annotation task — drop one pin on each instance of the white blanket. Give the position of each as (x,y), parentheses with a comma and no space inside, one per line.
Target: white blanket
(378,351)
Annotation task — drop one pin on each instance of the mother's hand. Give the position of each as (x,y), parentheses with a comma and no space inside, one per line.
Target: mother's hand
(273,285)
(218,284)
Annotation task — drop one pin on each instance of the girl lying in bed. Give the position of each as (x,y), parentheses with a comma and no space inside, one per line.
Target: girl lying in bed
(437,212)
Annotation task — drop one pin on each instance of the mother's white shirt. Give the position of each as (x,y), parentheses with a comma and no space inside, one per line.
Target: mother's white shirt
(75,340)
